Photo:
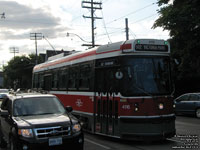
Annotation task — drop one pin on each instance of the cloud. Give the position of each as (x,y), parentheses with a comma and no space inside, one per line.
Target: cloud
(21,20)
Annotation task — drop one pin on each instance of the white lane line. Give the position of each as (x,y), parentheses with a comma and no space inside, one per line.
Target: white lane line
(105,147)
(174,140)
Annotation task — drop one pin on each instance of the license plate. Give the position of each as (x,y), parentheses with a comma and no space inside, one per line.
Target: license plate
(55,141)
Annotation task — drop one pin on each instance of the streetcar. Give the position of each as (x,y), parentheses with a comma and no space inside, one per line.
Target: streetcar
(122,90)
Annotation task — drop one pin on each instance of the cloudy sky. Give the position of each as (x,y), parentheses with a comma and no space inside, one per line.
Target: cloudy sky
(54,18)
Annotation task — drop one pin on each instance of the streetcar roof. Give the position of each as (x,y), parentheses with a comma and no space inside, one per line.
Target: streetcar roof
(104,51)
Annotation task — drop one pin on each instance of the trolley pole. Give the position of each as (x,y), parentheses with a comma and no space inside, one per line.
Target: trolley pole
(36,36)
(127,30)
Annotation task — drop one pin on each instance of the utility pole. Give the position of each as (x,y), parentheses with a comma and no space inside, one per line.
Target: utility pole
(36,36)
(127,30)
(14,50)
(93,6)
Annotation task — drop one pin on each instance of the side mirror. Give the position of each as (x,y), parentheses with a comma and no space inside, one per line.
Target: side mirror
(4,113)
(69,108)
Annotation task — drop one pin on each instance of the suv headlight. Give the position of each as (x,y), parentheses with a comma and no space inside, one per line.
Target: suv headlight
(76,127)
(25,132)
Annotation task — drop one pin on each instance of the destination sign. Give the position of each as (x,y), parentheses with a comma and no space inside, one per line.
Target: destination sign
(149,47)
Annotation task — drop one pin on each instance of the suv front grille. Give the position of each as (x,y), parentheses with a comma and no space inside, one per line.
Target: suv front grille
(52,132)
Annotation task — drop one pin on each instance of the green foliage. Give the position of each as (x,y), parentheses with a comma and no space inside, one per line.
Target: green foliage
(182,19)
(18,72)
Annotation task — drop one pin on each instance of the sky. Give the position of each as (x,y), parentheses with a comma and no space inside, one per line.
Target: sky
(55,18)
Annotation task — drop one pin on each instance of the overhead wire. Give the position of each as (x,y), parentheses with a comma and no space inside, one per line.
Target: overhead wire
(144,18)
(131,13)
(105,26)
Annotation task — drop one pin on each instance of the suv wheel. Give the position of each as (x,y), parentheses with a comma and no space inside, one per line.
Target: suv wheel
(198,113)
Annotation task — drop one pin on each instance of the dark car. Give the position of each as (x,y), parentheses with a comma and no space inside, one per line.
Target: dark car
(188,103)
(32,121)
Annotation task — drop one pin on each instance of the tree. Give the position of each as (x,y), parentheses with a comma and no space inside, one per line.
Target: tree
(182,19)
(18,72)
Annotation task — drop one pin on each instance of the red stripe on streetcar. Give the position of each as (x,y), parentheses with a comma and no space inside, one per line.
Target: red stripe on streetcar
(126,46)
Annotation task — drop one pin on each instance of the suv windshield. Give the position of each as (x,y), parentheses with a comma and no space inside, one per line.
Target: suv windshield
(37,106)
(146,76)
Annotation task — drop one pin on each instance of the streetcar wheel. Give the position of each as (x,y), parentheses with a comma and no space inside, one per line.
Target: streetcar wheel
(198,113)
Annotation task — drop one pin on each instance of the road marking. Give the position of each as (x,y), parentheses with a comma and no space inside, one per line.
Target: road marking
(174,140)
(97,144)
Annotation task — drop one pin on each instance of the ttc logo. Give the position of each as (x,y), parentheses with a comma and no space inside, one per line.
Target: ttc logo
(79,103)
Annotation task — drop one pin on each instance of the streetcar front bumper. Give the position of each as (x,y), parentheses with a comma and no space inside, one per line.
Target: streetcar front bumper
(147,128)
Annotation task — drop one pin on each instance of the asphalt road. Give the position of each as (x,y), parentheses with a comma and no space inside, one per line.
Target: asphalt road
(188,137)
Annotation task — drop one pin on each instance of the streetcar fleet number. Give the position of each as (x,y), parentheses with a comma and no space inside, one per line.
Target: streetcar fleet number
(126,107)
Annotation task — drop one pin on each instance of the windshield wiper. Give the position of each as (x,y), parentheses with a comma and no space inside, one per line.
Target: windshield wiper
(142,90)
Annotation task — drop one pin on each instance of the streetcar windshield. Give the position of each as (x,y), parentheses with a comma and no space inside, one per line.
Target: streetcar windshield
(146,76)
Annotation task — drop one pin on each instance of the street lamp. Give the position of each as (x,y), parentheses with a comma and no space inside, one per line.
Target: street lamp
(90,43)
(68,34)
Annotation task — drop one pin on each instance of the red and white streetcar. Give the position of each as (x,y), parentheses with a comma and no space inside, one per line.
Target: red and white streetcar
(121,89)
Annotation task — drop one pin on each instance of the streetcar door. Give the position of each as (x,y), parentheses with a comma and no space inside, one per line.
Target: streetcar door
(106,104)
(106,113)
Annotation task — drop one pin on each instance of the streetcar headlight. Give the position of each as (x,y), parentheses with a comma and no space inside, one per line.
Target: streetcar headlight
(76,127)
(174,106)
(161,106)
(136,109)
(25,132)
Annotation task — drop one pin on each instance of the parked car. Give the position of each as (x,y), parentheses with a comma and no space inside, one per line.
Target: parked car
(31,121)
(188,103)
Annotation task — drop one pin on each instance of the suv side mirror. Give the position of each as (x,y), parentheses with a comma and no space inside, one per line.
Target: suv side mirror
(4,113)
(69,108)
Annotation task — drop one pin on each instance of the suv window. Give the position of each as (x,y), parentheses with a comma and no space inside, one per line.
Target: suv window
(37,106)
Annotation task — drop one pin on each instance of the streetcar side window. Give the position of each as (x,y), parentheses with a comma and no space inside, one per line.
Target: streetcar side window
(55,80)
(40,80)
(72,80)
(85,77)
(35,81)
(63,79)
